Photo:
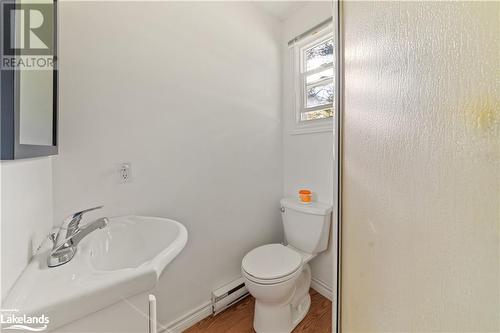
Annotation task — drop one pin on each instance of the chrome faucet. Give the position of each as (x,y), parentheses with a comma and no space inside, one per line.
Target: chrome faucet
(69,235)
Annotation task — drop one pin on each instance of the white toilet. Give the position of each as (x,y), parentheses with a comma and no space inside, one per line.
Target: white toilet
(279,276)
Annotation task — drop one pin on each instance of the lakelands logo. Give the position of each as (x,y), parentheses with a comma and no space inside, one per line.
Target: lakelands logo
(28,35)
(13,320)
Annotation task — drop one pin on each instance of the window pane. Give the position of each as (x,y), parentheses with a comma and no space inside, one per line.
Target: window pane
(319,55)
(318,114)
(319,95)
(326,74)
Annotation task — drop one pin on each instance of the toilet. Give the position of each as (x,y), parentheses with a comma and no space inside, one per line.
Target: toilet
(279,276)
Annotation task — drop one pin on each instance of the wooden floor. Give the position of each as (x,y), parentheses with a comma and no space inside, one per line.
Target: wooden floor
(239,318)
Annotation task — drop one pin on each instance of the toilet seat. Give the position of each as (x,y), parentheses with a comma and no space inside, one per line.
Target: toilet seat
(271,264)
(273,281)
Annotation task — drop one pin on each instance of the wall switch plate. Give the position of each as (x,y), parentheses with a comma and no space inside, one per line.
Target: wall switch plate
(125,173)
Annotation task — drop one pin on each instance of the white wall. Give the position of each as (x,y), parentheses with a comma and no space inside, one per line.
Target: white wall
(308,158)
(189,93)
(421,167)
(25,212)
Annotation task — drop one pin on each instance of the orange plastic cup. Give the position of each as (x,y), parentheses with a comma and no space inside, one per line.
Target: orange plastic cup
(305,195)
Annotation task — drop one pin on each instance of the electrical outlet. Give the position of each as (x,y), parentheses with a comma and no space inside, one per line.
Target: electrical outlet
(125,173)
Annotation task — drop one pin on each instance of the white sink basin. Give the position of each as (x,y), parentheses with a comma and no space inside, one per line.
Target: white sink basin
(121,260)
(134,241)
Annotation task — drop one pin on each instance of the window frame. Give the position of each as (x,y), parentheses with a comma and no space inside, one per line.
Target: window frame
(300,84)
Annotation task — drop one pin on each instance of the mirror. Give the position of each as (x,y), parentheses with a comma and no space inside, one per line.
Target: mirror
(29,79)
(35,95)
(36,118)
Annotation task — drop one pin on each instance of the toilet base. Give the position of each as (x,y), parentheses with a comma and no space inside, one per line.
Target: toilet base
(280,319)
(285,316)
(302,310)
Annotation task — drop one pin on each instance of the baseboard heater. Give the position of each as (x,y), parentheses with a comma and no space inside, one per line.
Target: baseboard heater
(230,294)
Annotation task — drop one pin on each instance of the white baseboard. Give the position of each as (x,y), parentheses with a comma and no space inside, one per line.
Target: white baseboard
(322,288)
(205,310)
(189,319)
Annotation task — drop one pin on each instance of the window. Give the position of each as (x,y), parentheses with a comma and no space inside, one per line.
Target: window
(316,64)
(314,67)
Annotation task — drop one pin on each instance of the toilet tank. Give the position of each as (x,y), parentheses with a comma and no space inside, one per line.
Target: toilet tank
(306,226)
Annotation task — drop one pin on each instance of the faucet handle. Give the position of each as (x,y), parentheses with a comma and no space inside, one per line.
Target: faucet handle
(86,211)
(73,221)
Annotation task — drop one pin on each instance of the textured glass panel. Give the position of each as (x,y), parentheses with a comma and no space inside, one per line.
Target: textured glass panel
(319,55)
(318,114)
(319,95)
(326,74)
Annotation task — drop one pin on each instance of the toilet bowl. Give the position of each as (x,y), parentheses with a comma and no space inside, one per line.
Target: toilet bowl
(279,276)
(281,291)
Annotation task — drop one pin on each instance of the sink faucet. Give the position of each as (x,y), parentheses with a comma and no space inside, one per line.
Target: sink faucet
(69,235)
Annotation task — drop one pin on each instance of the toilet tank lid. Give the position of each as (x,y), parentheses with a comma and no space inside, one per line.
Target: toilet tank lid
(314,208)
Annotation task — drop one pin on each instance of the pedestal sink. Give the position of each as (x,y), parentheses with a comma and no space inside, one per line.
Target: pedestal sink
(121,260)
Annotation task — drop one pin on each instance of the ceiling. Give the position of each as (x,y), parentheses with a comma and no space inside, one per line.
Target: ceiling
(280,9)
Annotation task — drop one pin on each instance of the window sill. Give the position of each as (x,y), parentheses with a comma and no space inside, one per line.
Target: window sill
(311,129)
